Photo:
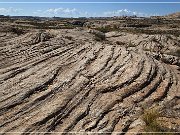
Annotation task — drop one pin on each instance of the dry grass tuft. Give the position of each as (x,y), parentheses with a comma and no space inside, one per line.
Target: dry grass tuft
(153,125)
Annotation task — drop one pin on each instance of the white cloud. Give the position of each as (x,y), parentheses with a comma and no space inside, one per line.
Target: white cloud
(10,10)
(73,12)
(124,12)
(61,12)
(57,11)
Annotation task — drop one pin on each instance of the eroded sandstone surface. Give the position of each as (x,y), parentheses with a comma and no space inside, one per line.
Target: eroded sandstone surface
(66,81)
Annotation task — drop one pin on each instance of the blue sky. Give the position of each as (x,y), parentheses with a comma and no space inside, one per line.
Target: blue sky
(90,9)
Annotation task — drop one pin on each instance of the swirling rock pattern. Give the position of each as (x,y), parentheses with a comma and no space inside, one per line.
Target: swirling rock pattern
(65,81)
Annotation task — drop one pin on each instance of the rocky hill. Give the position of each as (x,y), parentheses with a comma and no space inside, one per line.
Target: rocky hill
(85,81)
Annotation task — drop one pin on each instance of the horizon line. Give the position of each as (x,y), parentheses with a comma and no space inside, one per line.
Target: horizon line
(28,2)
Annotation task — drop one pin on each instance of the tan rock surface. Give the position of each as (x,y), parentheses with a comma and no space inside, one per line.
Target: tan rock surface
(65,81)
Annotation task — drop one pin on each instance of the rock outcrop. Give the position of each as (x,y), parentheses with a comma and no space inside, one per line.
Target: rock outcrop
(69,83)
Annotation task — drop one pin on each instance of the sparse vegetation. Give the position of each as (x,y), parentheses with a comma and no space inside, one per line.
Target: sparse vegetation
(131,44)
(99,36)
(108,28)
(150,118)
(65,76)
(153,125)
(120,43)
(104,29)
(175,53)
(17,31)
(68,37)
(150,31)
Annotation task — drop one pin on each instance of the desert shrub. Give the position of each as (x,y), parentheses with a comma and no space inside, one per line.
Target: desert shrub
(150,118)
(153,125)
(131,44)
(177,52)
(120,43)
(17,31)
(104,29)
(108,28)
(68,37)
(99,36)
(154,39)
